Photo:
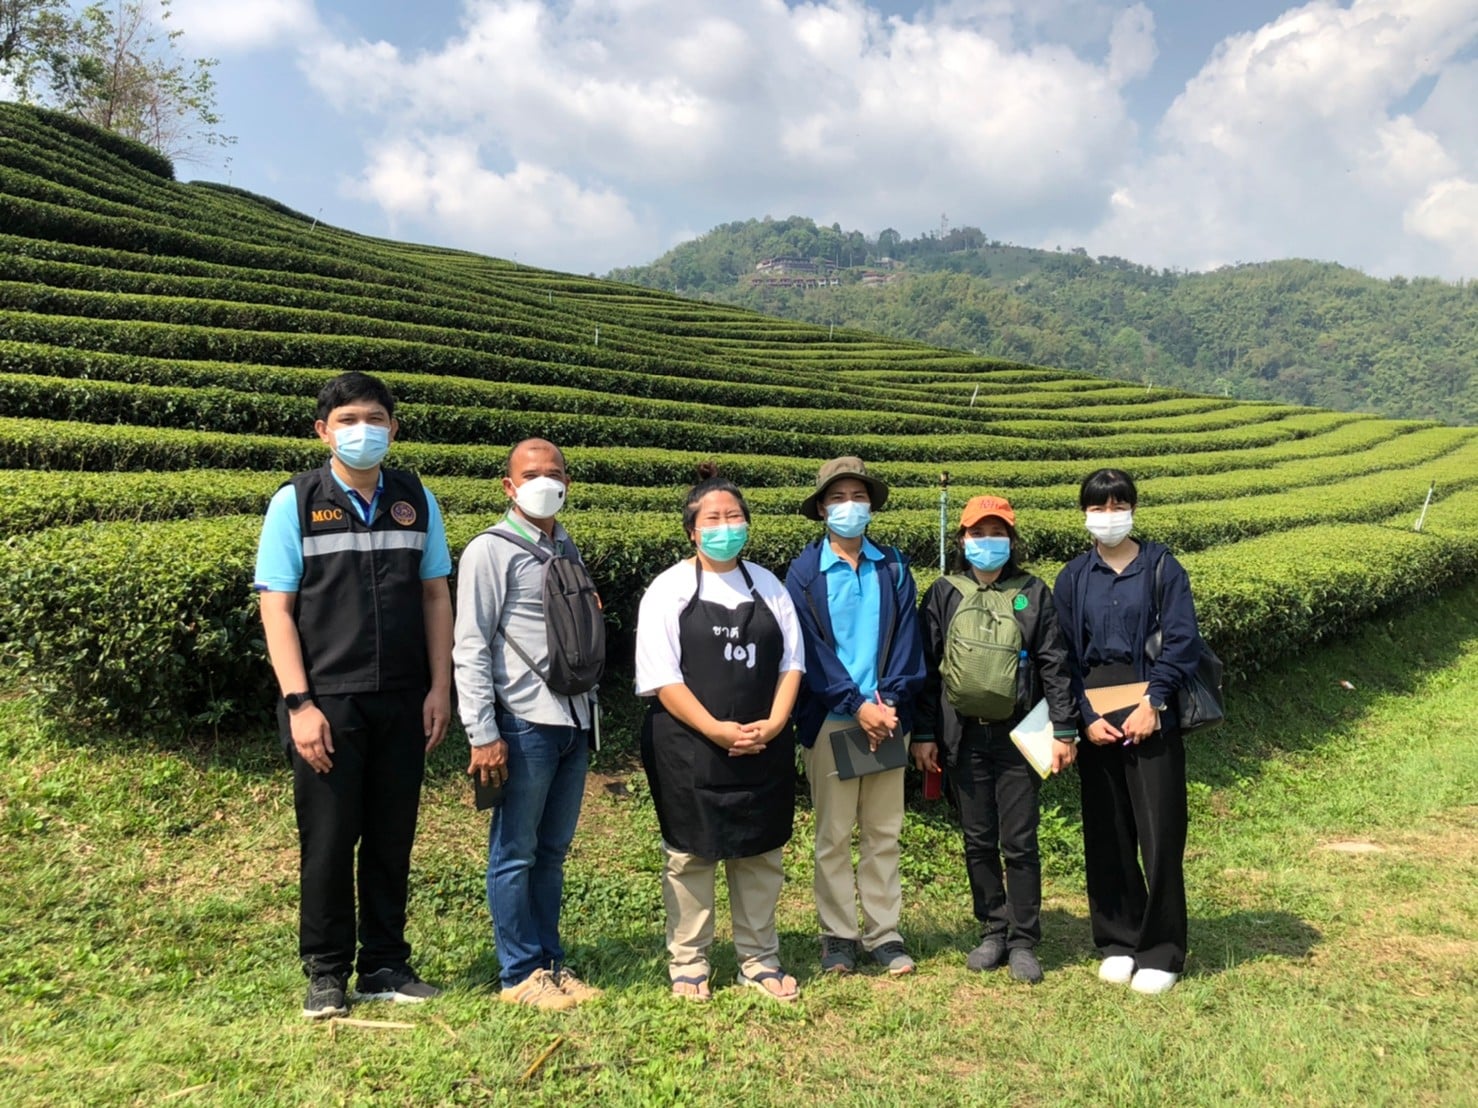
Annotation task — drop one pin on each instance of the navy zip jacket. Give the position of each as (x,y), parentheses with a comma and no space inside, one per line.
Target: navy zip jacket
(827,688)
(1180,648)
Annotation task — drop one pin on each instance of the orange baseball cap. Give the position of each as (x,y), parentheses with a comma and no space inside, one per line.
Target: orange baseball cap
(984,507)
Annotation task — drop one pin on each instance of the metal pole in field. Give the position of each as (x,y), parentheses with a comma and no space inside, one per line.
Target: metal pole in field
(943,514)
(1423,517)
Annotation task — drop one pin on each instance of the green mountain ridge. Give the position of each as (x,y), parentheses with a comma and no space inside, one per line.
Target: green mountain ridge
(1293,331)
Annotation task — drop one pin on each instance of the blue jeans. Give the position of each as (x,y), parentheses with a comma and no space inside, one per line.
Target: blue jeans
(528,840)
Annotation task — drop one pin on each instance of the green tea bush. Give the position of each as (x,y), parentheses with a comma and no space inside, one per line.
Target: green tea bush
(523,383)
(154,624)
(141,625)
(17,122)
(1267,597)
(35,500)
(49,444)
(1225,508)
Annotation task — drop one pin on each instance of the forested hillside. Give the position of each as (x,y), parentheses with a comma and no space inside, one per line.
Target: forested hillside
(1294,331)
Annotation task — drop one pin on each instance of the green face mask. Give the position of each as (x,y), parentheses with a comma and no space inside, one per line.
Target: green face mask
(724,541)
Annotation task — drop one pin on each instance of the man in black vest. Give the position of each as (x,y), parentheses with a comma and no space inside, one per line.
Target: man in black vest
(352,572)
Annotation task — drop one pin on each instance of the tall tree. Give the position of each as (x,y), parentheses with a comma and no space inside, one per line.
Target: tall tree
(31,32)
(117,66)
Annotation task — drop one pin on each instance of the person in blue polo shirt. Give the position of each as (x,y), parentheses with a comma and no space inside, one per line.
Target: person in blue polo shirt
(352,571)
(857,606)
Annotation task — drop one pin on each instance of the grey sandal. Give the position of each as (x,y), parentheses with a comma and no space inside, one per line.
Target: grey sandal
(697,980)
(758,980)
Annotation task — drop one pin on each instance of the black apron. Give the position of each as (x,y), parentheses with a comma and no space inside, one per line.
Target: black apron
(708,803)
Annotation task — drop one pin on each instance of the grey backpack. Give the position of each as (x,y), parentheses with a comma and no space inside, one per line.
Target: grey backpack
(573,622)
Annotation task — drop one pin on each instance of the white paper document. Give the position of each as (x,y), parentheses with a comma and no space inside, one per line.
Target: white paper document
(1033,737)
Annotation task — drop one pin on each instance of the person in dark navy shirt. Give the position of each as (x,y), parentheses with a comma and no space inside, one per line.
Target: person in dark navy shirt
(352,571)
(1132,768)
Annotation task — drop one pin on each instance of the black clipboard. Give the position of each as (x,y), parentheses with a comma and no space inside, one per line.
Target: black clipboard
(856,758)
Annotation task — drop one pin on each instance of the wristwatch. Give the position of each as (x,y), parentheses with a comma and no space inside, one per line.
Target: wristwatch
(295,700)
(1157,707)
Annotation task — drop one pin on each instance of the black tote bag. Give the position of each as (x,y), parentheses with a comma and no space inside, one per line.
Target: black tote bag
(1200,702)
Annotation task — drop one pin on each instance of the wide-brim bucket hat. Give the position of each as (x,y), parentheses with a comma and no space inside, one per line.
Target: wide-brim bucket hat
(835,470)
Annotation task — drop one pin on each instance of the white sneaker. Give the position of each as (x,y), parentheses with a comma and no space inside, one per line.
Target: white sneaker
(1117,970)
(1152,981)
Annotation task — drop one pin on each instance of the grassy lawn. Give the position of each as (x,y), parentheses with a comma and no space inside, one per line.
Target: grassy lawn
(148,914)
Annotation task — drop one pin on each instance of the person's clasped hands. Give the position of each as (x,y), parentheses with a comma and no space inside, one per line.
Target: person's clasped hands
(750,738)
(879,721)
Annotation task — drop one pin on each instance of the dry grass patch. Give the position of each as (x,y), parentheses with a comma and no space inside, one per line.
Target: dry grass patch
(1427,942)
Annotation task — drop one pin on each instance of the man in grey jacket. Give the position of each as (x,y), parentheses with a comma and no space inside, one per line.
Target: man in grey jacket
(532,741)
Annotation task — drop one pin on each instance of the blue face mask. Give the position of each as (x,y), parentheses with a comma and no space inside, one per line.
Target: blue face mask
(363,445)
(987,554)
(724,541)
(848,519)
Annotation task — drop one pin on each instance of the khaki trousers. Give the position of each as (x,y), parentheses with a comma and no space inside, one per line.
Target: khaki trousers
(874,805)
(688,892)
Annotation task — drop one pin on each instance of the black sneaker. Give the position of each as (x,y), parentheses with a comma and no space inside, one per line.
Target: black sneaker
(326,996)
(988,955)
(397,983)
(1023,966)
(838,955)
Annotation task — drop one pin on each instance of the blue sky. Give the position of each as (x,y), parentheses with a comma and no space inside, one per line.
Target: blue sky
(587,134)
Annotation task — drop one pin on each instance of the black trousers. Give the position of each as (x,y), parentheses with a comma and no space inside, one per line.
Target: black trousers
(1134,802)
(996,789)
(369,799)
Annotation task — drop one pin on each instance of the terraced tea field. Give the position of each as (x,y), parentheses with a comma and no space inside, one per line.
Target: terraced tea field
(161,345)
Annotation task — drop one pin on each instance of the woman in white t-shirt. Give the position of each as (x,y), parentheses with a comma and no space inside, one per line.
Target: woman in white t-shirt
(719,651)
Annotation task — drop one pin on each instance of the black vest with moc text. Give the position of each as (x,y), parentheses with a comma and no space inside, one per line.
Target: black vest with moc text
(359,613)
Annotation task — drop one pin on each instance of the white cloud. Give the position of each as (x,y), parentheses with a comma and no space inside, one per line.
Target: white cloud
(1132,47)
(216,26)
(1448,111)
(615,124)
(1448,214)
(681,112)
(531,212)
(1291,141)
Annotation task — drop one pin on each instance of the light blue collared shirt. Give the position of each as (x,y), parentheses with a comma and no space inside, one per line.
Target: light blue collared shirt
(855,604)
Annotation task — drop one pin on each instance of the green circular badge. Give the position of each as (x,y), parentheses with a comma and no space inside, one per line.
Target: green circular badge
(1019,603)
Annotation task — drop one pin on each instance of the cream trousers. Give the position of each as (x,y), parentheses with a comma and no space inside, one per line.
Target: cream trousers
(874,805)
(688,892)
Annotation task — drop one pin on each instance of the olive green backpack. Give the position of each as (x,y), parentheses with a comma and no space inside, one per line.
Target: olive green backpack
(982,649)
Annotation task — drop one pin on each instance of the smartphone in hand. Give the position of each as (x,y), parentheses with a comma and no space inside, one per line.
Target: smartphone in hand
(486,797)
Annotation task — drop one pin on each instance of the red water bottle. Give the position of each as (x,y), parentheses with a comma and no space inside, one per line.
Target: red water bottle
(933,784)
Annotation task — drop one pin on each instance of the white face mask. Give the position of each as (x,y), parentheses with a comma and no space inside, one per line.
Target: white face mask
(540,497)
(1110,528)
